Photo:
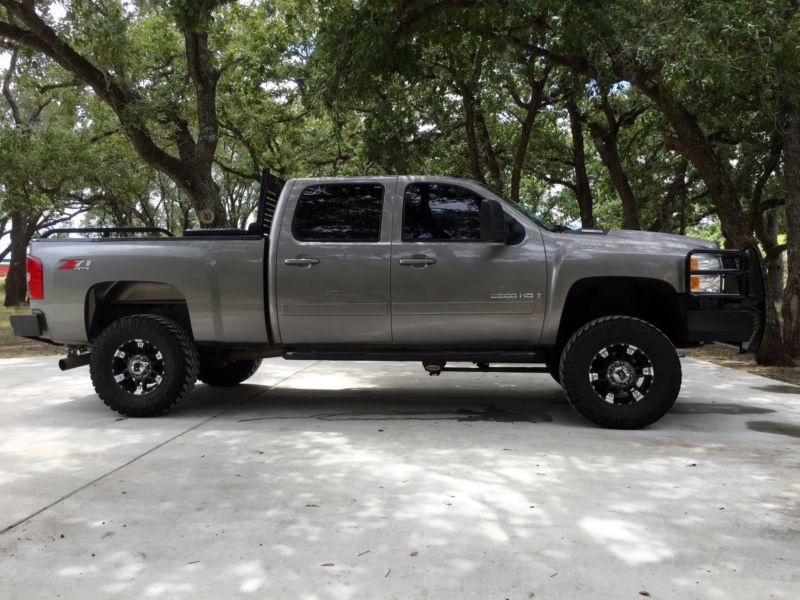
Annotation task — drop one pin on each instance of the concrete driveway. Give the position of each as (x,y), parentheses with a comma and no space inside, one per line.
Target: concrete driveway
(362,480)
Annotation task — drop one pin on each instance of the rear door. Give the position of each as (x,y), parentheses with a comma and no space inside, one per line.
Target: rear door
(333,262)
(449,287)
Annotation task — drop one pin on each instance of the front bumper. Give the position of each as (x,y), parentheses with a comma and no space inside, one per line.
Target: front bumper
(28,326)
(736,315)
(734,326)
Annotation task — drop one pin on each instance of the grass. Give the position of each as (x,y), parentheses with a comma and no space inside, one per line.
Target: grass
(12,346)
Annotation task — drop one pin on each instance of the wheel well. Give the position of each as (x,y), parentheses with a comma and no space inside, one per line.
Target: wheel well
(111,300)
(651,300)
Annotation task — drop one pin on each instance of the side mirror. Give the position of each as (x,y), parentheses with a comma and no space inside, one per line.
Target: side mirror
(493,221)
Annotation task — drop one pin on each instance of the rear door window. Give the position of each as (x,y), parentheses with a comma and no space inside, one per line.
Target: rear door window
(348,212)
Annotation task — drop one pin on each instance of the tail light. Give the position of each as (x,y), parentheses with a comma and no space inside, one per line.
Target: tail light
(35,278)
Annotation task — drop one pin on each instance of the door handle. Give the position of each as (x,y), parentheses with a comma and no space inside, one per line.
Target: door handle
(301,262)
(417,261)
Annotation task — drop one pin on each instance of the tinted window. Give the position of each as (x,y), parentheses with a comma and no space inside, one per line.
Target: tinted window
(441,212)
(348,212)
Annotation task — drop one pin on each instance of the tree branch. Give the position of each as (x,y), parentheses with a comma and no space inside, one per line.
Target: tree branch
(238,173)
(104,134)
(42,37)
(775,251)
(559,181)
(409,22)
(12,103)
(37,111)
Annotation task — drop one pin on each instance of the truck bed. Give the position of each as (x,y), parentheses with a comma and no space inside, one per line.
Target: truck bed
(219,277)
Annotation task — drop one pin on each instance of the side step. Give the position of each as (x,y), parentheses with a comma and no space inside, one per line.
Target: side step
(487,369)
(424,356)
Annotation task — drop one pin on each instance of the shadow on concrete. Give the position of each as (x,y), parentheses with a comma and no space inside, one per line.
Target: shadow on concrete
(775,427)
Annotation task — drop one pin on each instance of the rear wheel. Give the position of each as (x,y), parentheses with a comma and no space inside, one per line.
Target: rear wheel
(620,372)
(143,365)
(227,373)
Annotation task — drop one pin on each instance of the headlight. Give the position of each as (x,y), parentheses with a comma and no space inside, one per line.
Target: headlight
(706,283)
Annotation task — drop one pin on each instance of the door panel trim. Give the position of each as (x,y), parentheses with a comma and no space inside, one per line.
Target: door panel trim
(351,309)
(463,308)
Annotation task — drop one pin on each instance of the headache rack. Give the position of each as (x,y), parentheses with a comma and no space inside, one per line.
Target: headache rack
(271,187)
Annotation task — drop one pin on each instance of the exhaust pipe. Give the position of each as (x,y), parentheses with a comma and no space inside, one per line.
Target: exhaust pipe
(73,362)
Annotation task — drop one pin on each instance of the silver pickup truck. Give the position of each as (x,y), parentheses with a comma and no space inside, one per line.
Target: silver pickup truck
(430,269)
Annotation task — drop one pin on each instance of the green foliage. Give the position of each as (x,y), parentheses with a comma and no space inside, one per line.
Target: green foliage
(194,15)
(324,88)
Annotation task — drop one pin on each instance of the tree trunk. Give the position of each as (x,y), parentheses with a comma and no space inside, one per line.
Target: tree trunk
(22,229)
(774,260)
(682,217)
(692,142)
(791,295)
(469,130)
(488,149)
(522,149)
(531,108)
(205,198)
(694,145)
(676,191)
(582,190)
(605,140)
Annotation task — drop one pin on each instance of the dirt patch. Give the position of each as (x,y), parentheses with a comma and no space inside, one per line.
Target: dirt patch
(728,356)
(23,348)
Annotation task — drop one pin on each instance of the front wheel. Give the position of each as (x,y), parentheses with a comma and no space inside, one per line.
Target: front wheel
(620,372)
(143,365)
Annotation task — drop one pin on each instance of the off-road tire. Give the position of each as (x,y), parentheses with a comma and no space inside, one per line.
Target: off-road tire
(583,347)
(180,364)
(227,374)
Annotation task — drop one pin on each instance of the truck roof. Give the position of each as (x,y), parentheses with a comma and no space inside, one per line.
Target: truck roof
(345,179)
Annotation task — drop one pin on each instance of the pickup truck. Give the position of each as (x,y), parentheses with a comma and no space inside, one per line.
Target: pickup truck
(402,268)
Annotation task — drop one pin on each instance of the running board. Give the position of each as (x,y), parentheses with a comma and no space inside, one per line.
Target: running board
(490,369)
(424,356)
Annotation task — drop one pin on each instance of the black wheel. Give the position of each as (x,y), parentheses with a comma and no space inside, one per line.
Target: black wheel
(143,365)
(226,373)
(620,372)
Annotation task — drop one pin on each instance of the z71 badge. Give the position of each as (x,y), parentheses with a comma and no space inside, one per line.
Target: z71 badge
(74,264)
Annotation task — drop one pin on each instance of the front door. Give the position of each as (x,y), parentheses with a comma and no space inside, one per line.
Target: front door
(449,287)
(332,266)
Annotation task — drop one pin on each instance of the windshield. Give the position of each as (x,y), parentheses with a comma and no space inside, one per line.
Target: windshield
(536,219)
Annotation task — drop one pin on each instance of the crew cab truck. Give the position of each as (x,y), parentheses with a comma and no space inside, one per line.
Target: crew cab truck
(430,269)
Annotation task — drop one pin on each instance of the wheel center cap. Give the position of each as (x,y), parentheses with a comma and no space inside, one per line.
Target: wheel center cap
(621,373)
(138,365)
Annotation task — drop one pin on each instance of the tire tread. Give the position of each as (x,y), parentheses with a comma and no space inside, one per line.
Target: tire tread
(621,421)
(190,356)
